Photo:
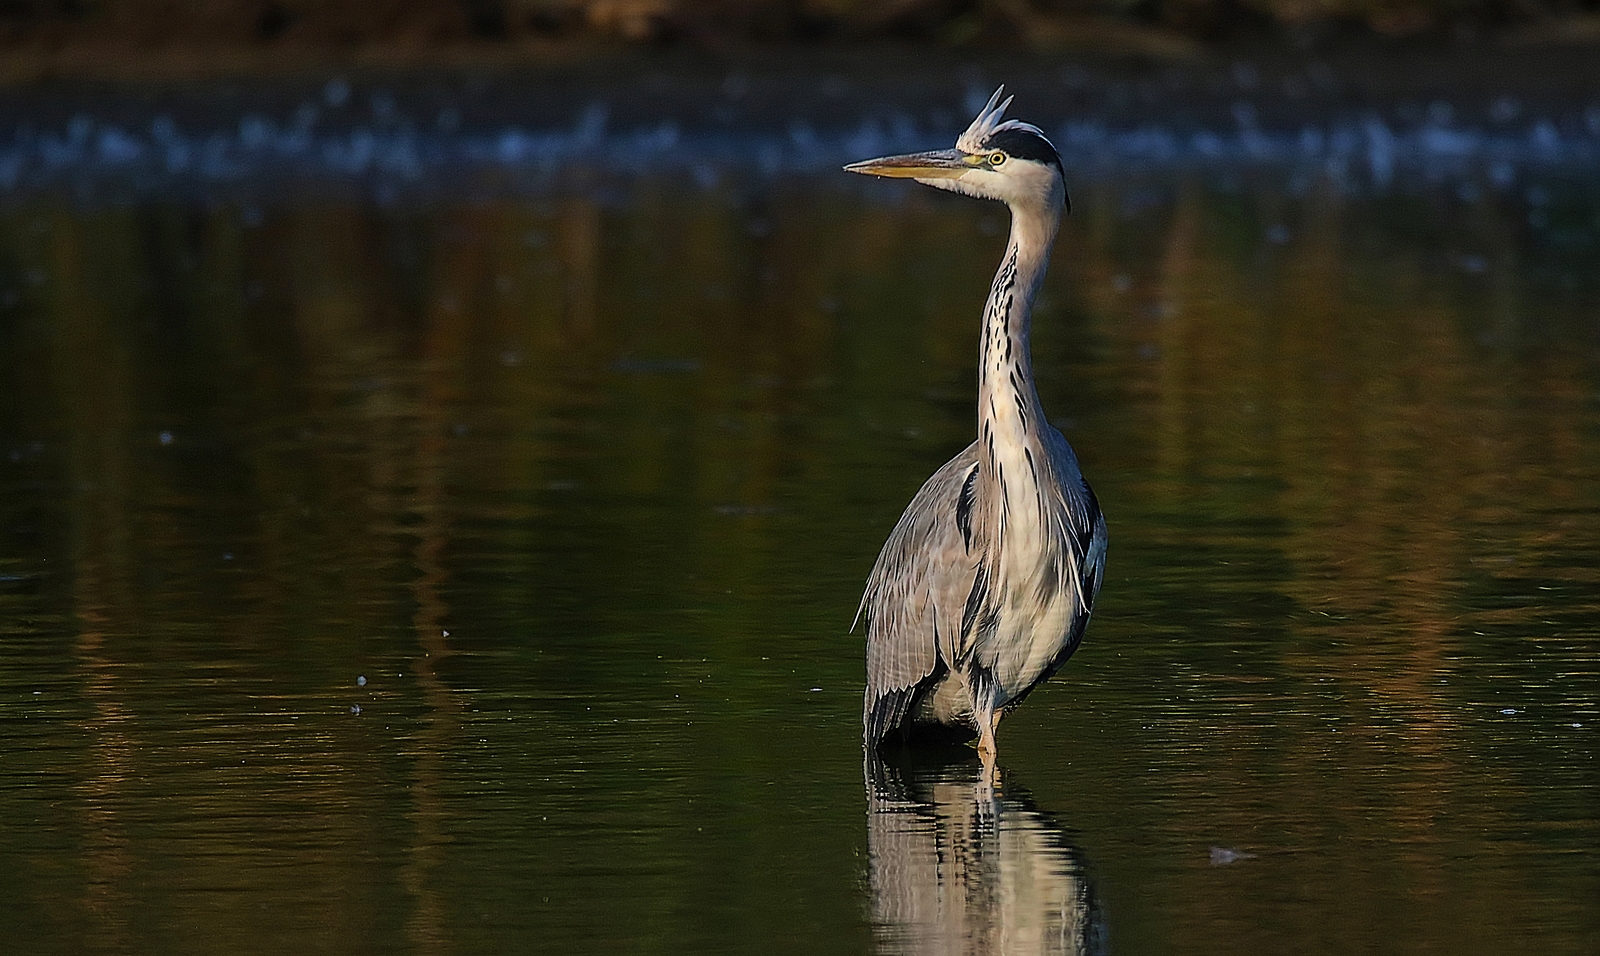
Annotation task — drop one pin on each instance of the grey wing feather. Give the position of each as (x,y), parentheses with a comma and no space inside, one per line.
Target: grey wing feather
(914,597)
(1085,526)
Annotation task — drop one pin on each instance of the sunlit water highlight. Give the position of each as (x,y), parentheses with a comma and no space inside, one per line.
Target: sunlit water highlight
(473,574)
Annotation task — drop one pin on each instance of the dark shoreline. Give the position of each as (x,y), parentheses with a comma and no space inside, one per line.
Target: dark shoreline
(1160,28)
(187,54)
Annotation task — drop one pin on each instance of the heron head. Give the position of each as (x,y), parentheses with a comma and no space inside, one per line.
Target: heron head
(995,158)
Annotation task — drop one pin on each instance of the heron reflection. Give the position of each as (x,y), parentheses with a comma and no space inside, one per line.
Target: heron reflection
(959,865)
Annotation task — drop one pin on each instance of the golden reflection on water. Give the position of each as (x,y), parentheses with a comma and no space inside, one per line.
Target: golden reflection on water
(1384,445)
(585,490)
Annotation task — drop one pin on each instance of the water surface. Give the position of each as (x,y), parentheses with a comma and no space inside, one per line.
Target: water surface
(472,572)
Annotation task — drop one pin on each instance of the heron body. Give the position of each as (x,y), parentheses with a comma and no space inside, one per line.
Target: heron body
(985,585)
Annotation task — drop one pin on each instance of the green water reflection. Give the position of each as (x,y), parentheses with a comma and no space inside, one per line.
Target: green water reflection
(474,578)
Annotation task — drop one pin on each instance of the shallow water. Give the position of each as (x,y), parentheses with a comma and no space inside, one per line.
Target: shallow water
(474,574)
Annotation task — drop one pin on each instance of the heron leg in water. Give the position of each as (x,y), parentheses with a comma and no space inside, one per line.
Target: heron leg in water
(987,718)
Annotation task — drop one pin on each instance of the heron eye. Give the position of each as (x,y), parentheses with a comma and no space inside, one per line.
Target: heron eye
(996,159)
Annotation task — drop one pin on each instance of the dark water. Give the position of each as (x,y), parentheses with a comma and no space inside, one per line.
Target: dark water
(474,575)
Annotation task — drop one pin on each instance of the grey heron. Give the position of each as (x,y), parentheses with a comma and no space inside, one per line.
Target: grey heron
(985,585)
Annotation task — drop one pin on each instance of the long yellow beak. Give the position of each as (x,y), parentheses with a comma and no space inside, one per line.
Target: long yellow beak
(938,164)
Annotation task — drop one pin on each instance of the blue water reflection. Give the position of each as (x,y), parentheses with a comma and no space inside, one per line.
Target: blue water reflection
(397,136)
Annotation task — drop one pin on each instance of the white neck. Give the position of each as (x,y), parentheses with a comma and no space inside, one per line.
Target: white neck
(1008,403)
